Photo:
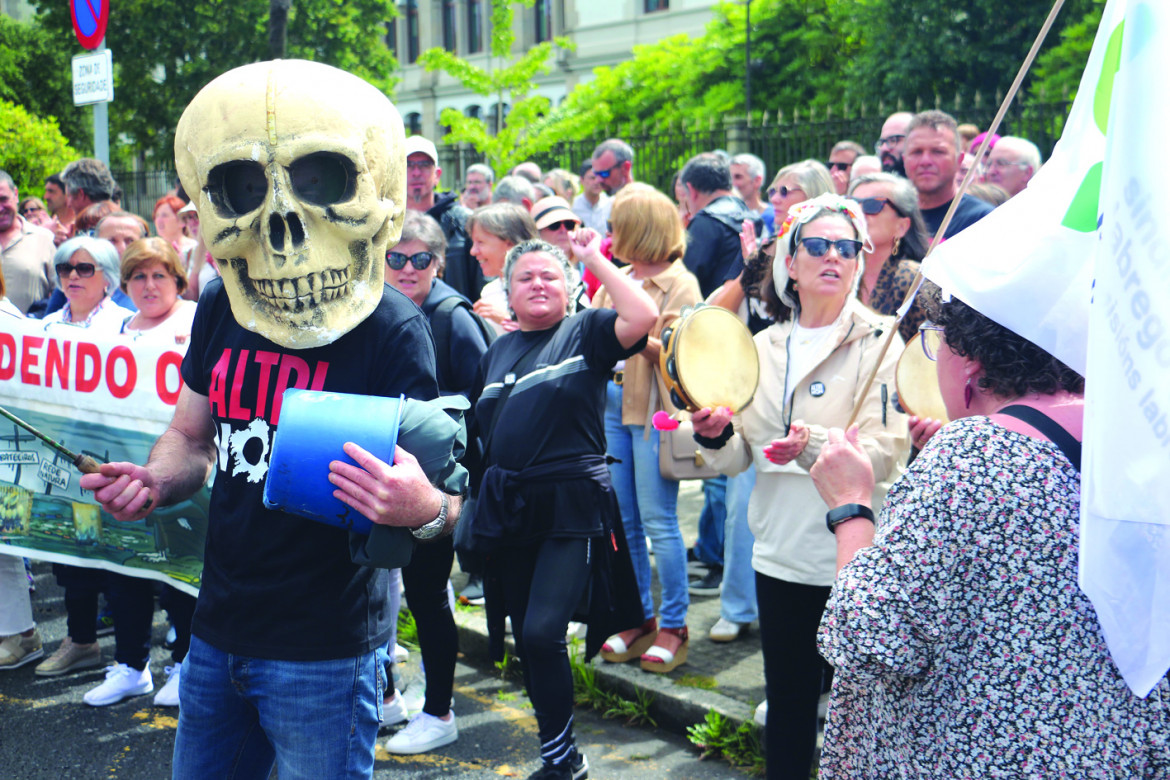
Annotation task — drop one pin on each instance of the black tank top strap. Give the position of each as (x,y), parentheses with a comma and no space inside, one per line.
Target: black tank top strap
(1050,428)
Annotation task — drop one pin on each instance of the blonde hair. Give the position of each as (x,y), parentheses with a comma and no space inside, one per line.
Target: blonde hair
(646,226)
(146,251)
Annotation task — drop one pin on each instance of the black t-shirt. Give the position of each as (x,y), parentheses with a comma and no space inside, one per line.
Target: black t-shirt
(557,410)
(970,211)
(713,251)
(276,585)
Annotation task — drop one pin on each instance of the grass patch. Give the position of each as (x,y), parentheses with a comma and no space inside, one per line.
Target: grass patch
(740,747)
(587,693)
(697,681)
(407,630)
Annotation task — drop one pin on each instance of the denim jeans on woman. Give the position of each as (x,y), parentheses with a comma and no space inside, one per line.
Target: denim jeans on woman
(737,599)
(242,715)
(649,507)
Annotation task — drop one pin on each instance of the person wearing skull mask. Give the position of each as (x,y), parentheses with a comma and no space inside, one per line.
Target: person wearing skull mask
(422,176)
(298,173)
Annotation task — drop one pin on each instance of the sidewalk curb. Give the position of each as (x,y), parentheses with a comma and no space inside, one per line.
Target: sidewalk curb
(674,708)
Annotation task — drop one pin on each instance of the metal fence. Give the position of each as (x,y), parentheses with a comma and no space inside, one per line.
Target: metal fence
(660,151)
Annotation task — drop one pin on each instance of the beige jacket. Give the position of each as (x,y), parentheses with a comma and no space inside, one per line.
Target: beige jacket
(785,512)
(671,290)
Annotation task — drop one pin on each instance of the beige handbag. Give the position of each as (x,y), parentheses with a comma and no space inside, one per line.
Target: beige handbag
(679,456)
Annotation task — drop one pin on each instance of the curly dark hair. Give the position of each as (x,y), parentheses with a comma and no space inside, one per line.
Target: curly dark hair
(1012,365)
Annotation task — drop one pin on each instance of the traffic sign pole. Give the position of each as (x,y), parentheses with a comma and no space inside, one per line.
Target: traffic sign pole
(101,125)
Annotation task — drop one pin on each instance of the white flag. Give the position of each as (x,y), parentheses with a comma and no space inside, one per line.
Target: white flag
(1078,263)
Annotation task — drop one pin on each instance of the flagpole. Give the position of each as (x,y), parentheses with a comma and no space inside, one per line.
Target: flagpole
(916,283)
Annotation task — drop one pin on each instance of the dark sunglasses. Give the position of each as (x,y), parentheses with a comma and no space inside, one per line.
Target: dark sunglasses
(847,248)
(605,174)
(783,191)
(839,166)
(30,210)
(84,270)
(567,224)
(874,206)
(420,261)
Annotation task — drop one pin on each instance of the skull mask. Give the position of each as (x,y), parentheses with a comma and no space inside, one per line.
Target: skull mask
(298,171)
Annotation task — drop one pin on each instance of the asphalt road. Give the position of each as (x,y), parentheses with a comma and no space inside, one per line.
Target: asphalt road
(48,733)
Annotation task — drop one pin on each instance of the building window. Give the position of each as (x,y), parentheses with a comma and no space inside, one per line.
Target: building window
(657,5)
(474,26)
(392,36)
(413,123)
(544,20)
(411,30)
(449,42)
(474,112)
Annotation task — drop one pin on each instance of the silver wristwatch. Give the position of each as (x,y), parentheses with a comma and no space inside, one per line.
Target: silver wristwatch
(435,527)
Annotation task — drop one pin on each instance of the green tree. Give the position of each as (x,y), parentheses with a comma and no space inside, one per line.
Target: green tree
(528,126)
(31,147)
(1058,70)
(164,55)
(35,73)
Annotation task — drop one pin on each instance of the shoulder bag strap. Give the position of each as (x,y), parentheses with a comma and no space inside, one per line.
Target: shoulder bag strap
(1050,428)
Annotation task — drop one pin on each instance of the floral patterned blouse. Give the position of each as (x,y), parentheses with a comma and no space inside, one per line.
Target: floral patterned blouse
(963,647)
(890,289)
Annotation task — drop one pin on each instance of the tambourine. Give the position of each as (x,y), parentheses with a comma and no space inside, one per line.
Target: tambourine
(917,382)
(708,359)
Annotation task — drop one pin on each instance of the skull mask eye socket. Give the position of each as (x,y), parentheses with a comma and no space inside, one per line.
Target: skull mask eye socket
(237,188)
(323,178)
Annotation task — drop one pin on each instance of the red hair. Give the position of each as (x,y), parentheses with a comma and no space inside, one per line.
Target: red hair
(173,201)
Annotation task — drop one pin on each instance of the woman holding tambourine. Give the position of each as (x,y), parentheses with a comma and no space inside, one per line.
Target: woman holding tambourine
(813,364)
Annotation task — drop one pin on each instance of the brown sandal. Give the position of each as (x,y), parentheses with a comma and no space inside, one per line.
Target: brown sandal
(622,647)
(658,659)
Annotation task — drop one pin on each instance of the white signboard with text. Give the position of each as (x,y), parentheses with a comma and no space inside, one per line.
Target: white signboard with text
(93,78)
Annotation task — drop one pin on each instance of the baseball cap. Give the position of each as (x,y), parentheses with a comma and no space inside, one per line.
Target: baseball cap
(416,143)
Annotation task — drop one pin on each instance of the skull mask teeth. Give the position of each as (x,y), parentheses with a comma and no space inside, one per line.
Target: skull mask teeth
(299,200)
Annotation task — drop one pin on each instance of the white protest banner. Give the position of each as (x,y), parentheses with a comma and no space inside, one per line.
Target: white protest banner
(1125,523)
(106,397)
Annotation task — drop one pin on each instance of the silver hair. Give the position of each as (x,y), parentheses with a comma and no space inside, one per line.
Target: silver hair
(104,255)
(1028,152)
(755,165)
(572,278)
(622,151)
(418,226)
(513,189)
(485,170)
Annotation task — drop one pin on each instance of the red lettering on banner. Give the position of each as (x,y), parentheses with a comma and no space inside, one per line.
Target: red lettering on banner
(7,356)
(124,354)
(217,392)
(28,361)
(319,375)
(266,360)
(165,361)
(87,371)
(235,411)
(57,361)
(288,365)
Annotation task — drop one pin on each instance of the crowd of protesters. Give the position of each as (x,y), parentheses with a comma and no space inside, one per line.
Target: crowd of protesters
(555,287)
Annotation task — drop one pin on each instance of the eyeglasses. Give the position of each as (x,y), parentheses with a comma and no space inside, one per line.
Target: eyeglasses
(420,261)
(420,164)
(839,166)
(783,191)
(931,339)
(816,246)
(605,174)
(889,140)
(565,224)
(30,210)
(84,270)
(872,206)
(1004,164)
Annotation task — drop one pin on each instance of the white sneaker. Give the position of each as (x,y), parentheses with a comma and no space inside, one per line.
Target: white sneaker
(122,681)
(726,631)
(401,654)
(424,733)
(414,696)
(761,716)
(394,710)
(168,695)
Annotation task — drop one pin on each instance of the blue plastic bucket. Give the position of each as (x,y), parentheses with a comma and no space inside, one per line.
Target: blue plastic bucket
(313,427)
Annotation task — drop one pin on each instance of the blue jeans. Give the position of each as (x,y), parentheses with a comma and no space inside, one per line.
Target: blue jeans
(713,518)
(312,719)
(649,507)
(737,601)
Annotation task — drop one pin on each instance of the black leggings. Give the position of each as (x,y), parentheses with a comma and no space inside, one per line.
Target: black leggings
(132,604)
(543,584)
(794,673)
(425,581)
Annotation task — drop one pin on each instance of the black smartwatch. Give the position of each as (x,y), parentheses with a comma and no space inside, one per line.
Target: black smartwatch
(845,512)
